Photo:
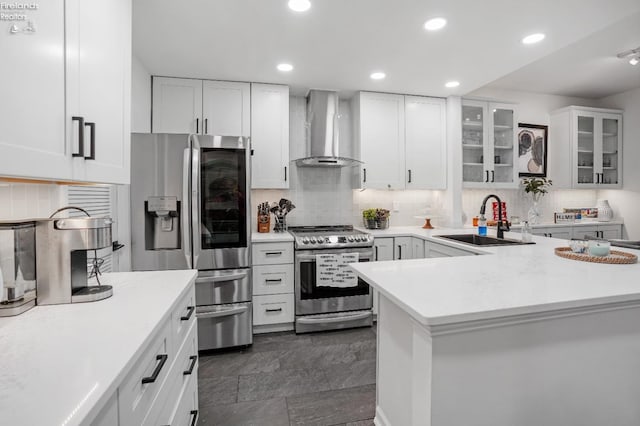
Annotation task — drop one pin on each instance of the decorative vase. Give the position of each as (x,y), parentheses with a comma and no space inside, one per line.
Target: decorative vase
(534,214)
(605,212)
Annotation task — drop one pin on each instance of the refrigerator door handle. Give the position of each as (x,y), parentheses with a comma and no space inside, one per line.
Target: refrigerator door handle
(223,312)
(186,240)
(195,199)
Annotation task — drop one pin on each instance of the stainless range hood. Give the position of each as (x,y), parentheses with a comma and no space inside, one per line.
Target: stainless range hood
(322,145)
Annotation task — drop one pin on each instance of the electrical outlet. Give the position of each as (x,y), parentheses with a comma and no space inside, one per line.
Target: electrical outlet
(396,206)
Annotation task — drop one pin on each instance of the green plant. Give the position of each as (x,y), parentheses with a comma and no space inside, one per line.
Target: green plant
(536,185)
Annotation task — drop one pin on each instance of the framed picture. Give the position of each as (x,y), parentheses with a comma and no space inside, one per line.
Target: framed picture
(532,149)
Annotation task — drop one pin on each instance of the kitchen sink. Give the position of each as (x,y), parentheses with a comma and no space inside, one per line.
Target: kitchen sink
(478,240)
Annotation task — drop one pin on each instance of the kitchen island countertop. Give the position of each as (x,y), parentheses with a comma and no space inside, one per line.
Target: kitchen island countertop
(503,281)
(60,363)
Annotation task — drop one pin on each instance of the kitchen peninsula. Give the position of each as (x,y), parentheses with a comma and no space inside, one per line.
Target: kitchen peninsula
(515,336)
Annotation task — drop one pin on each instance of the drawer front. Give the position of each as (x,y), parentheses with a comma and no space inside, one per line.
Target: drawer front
(273,309)
(184,369)
(183,317)
(224,326)
(228,286)
(273,279)
(441,250)
(135,398)
(187,412)
(272,253)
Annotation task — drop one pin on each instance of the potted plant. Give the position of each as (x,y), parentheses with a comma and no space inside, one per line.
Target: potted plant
(537,187)
(376,218)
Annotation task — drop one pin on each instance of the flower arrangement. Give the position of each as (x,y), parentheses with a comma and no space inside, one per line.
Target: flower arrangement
(536,185)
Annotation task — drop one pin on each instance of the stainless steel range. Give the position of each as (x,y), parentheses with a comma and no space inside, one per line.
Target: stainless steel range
(328,294)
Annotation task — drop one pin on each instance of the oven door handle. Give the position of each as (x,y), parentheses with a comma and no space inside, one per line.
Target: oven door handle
(223,313)
(345,317)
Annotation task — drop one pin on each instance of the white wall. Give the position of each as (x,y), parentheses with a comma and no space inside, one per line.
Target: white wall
(140,97)
(626,201)
(29,200)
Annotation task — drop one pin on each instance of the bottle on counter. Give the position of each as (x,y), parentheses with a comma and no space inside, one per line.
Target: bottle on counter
(526,232)
(482,226)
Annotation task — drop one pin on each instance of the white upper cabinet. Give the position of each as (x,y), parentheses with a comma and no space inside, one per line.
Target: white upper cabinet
(177,105)
(489,145)
(425,142)
(402,141)
(54,104)
(269,136)
(206,107)
(586,148)
(381,134)
(99,88)
(32,127)
(226,108)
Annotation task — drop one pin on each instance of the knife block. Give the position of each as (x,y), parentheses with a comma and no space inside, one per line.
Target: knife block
(264,223)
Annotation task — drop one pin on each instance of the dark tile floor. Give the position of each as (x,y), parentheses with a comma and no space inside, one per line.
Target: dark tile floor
(286,379)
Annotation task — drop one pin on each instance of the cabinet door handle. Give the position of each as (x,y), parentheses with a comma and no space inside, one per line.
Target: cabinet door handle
(487,177)
(409,175)
(376,247)
(163,360)
(493,176)
(274,310)
(206,125)
(273,280)
(285,173)
(364,178)
(92,143)
(187,317)
(273,253)
(188,371)
(80,121)
(197,125)
(193,413)
(399,252)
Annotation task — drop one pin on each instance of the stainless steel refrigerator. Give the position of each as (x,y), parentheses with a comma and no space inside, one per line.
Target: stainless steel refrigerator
(190,206)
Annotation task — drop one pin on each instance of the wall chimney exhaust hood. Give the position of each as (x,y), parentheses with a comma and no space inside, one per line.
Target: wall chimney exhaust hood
(322,144)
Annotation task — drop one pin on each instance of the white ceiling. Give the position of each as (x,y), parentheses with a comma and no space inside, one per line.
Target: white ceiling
(588,68)
(338,43)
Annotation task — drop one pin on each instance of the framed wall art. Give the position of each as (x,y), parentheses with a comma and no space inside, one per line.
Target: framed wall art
(532,149)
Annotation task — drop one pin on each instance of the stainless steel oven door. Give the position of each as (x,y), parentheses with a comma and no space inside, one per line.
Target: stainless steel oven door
(312,299)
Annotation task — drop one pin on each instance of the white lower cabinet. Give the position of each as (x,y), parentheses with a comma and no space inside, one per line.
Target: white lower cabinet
(402,248)
(432,249)
(564,232)
(608,231)
(163,382)
(417,247)
(273,290)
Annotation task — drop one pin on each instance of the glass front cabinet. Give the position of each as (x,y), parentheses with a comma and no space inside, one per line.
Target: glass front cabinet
(594,137)
(488,145)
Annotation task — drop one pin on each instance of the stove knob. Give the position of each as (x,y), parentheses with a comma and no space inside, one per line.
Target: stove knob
(312,240)
(357,238)
(350,238)
(326,240)
(305,240)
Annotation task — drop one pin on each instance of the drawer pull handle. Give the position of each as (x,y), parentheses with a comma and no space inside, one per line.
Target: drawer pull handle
(274,310)
(273,280)
(194,413)
(163,360)
(190,310)
(193,359)
(273,253)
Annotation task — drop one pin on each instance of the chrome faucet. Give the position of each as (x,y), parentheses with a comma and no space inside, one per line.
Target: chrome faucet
(502,225)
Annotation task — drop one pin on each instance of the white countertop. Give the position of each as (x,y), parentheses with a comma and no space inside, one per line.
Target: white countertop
(506,281)
(271,237)
(585,222)
(60,363)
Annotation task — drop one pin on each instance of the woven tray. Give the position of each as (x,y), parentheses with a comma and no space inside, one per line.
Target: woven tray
(614,257)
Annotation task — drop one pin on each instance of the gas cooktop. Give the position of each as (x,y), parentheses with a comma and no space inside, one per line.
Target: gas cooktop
(323,237)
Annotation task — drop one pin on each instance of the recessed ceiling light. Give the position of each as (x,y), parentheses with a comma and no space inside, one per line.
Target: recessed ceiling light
(285,67)
(299,5)
(377,75)
(634,61)
(451,84)
(435,24)
(533,38)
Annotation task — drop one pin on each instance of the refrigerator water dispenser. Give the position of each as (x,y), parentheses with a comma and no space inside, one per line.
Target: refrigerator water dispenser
(162,223)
